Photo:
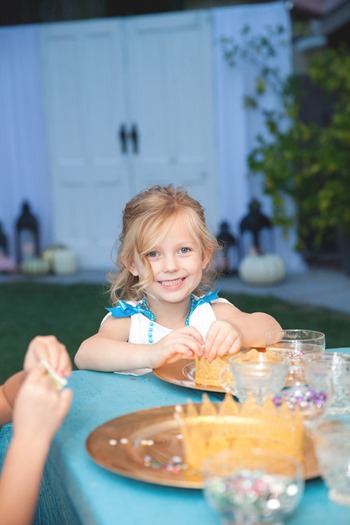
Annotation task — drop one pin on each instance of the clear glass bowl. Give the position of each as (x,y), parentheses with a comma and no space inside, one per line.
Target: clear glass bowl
(332,446)
(259,378)
(330,373)
(253,486)
(295,344)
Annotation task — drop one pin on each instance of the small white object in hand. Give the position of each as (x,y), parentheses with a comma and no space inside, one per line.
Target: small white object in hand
(58,381)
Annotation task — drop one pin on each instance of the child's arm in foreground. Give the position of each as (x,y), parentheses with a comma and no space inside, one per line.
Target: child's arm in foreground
(39,411)
(109,351)
(41,347)
(234,329)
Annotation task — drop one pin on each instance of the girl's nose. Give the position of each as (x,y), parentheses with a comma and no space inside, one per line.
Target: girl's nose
(170,263)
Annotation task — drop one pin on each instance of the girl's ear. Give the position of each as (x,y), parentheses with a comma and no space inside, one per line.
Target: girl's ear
(205,260)
(131,267)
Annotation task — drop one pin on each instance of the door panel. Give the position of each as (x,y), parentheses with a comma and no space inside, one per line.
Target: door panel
(85,107)
(153,73)
(171,100)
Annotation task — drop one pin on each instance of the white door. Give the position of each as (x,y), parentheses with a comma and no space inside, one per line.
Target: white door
(128,103)
(169,61)
(85,106)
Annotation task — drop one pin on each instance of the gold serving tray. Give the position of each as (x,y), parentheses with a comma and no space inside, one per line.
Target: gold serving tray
(147,446)
(182,373)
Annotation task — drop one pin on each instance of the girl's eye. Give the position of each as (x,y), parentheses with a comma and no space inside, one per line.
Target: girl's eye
(152,254)
(185,250)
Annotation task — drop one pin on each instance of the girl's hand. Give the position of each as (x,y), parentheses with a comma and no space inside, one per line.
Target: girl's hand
(222,338)
(49,348)
(184,343)
(39,407)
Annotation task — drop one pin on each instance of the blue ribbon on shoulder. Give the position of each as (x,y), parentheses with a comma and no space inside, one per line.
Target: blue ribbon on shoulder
(208,298)
(127,310)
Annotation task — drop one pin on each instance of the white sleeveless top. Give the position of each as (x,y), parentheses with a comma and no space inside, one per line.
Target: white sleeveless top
(202,317)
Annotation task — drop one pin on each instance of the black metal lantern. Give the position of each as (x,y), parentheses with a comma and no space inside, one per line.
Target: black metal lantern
(3,243)
(27,235)
(228,242)
(254,222)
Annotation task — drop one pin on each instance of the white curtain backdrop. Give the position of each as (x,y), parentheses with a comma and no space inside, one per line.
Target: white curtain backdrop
(237,126)
(23,172)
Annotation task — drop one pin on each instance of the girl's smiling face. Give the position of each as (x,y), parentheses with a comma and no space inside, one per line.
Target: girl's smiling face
(177,264)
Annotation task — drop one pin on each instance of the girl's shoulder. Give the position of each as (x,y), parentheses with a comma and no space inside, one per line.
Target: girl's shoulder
(221,300)
(122,310)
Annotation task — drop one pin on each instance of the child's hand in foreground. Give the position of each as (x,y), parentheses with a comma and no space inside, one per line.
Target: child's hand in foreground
(39,407)
(50,349)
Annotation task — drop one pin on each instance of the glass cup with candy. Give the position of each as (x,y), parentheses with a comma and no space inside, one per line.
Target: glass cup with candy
(295,344)
(332,445)
(330,373)
(253,486)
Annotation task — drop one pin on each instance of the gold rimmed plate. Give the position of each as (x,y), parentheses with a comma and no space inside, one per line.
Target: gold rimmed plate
(182,373)
(147,446)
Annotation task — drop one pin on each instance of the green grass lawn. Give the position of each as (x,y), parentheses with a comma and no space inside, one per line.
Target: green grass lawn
(73,312)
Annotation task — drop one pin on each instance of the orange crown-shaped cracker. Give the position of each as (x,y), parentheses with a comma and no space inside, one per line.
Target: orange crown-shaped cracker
(213,427)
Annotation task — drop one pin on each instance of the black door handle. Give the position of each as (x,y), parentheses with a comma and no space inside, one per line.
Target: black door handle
(134,136)
(123,137)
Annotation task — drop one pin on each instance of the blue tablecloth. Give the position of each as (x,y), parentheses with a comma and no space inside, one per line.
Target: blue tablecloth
(77,491)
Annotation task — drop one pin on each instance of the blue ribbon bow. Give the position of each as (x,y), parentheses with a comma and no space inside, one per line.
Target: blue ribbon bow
(127,310)
(208,298)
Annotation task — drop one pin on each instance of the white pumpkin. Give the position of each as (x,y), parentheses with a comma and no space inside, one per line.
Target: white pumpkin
(64,261)
(266,268)
(49,252)
(35,266)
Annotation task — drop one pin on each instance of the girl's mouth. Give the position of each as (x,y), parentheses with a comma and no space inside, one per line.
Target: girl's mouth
(172,283)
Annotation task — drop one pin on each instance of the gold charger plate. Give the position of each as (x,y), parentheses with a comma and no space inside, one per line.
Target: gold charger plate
(182,373)
(147,446)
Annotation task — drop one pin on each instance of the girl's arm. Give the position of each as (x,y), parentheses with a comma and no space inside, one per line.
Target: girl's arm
(109,351)
(234,329)
(39,411)
(20,481)
(252,327)
(8,393)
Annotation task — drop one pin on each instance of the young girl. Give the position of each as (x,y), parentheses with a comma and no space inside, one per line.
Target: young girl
(163,308)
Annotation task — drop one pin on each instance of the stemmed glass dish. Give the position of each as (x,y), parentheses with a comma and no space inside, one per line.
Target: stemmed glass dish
(330,372)
(295,344)
(332,445)
(256,375)
(250,487)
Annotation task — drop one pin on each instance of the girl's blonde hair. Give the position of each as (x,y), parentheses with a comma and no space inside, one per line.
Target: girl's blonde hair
(146,219)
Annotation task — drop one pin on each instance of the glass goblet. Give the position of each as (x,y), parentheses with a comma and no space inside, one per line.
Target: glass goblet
(253,486)
(257,376)
(330,372)
(332,445)
(295,344)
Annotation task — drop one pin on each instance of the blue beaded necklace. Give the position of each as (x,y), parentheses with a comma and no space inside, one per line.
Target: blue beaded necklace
(125,309)
(152,317)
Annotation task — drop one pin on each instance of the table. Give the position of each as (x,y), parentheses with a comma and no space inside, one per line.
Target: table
(76,491)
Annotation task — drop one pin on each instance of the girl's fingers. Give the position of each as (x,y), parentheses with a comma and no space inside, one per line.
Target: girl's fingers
(235,348)
(193,332)
(221,346)
(51,350)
